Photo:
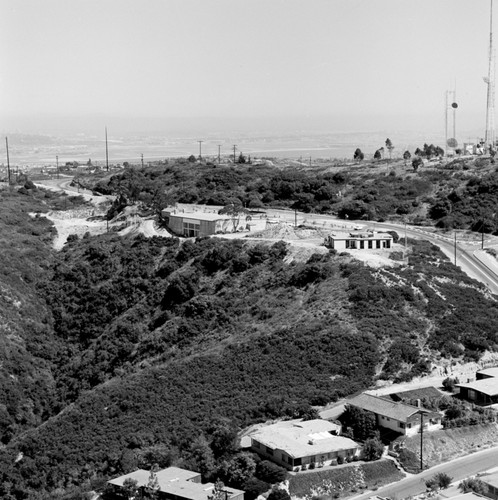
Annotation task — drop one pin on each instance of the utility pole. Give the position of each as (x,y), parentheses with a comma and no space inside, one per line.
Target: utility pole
(421,441)
(200,149)
(455,248)
(234,146)
(310,161)
(57,164)
(8,161)
(142,159)
(106,151)
(219,154)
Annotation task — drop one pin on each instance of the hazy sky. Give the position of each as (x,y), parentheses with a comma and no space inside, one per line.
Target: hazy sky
(354,64)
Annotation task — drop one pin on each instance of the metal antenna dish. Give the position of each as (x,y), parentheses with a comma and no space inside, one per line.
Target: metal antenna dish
(452,142)
(454,105)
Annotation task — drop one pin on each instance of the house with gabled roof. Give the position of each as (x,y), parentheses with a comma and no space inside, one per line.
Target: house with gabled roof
(297,443)
(399,417)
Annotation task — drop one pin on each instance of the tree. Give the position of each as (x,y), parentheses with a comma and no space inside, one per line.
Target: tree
(219,492)
(192,159)
(361,421)
(473,484)
(279,494)
(417,162)
(238,469)
(373,449)
(242,158)
(235,211)
(358,155)
(254,487)
(270,473)
(202,456)
(377,155)
(440,481)
(449,383)
(406,156)
(130,488)
(389,146)
(152,486)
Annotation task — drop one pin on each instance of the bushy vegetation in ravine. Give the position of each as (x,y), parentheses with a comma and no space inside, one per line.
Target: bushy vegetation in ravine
(139,351)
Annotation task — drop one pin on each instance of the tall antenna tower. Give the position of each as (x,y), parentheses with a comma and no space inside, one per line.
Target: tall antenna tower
(489,138)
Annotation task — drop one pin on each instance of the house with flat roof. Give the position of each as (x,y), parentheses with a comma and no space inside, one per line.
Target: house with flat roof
(294,443)
(174,483)
(194,224)
(359,240)
(396,416)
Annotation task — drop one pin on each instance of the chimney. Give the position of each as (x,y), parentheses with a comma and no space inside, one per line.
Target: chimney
(419,405)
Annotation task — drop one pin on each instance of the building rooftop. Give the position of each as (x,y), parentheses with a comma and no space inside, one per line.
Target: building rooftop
(387,407)
(175,481)
(365,235)
(206,216)
(164,476)
(420,393)
(488,386)
(491,478)
(303,438)
(490,372)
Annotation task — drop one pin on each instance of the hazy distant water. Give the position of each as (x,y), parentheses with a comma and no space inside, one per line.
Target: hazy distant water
(42,150)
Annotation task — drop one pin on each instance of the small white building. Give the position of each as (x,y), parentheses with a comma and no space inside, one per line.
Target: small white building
(294,443)
(359,240)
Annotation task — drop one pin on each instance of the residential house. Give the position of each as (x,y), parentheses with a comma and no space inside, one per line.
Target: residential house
(359,240)
(400,417)
(296,443)
(482,392)
(174,483)
(491,482)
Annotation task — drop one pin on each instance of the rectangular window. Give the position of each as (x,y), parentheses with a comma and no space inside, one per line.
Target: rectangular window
(409,426)
(401,425)
(378,243)
(297,461)
(388,244)
(362,244)
(369,243)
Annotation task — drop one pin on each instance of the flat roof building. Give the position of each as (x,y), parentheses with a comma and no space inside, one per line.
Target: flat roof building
(194,224)
(359,240)
(296,443)
(176,484)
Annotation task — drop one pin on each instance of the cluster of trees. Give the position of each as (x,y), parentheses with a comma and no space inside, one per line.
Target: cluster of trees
(427,151)
(261,186)
(470,205)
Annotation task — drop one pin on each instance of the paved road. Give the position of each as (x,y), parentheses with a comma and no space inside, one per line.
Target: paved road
(458,469)
(465,258)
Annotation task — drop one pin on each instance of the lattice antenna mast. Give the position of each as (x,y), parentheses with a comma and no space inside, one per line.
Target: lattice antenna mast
(490,81)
